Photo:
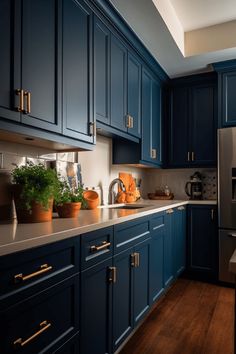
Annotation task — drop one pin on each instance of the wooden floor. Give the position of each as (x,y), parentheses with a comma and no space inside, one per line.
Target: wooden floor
(193,317)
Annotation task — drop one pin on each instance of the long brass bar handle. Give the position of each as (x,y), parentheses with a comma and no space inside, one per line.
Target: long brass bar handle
(20,93)
(44,268)
(188,156)
(43,327)
(104,245)
(193,156)
(27,94)
(137,260)
(112,277)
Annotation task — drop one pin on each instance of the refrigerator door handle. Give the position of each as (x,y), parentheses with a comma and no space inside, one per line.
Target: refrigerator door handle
(232,235)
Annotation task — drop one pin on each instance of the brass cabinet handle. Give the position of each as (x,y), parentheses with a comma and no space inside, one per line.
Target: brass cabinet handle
(27,94)
(193,156)
(153,153)
(188,156)
(169,211)
(92,129)
(212,214)
(129,121)
(104,245)
(43,327)
(20,93)
(181,208)
(43,269)
(112,277)
(135,259)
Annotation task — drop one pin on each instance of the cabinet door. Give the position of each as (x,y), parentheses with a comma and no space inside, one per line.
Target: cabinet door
(228,99)
(168,248)
(95,309)
(141,280)
(10,44)
(202,240)
(134,95)
(77,63)
(118,84)
(203,124)
(146,116)
(41,36)
(156,284)
(102,71)
(179,240)
(179,127)
(122,318)
(156,126)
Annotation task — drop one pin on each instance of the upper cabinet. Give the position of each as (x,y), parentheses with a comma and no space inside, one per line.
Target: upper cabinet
(151,118)
(77,76)
(46,66)
(193,121)
(41,36)
(117,83)
(226,92)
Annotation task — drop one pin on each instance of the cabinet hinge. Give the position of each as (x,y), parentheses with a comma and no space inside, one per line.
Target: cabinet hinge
(112,274)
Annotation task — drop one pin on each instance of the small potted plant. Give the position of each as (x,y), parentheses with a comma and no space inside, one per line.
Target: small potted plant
(68,202)
(34,188)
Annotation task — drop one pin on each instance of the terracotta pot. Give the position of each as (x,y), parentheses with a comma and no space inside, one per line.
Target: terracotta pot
(92,199)
(37,213)
(69,210)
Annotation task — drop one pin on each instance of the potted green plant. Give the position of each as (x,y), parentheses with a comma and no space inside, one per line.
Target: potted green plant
(67,201)
(34,188)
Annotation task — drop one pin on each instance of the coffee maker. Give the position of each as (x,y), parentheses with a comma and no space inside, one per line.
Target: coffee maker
(193,188)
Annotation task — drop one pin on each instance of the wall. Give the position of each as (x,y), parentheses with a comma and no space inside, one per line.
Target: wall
(176,180)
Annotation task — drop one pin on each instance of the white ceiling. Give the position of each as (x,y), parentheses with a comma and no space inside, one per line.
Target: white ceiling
(194,14)
(143,17)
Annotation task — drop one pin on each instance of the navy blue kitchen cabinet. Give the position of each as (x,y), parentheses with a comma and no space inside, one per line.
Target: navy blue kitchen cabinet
(133,118)
(77,76)
(102,72)
(202,242)
(179,242)
(131,289)
(156,265)
(96,285)
(118,84)
(169,247)
(151,118)
(70,347)
(226,93)
(10,26)
(193,121)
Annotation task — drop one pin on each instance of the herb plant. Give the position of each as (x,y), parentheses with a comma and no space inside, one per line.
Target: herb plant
(66,195)
(38,184)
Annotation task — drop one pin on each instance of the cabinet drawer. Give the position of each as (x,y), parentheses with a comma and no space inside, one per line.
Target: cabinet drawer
(42,322)
(37,268)
(157,221)
(70,347)
(96,246)
(130,233)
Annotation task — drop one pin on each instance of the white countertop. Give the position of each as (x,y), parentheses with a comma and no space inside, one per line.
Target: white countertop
(17,237)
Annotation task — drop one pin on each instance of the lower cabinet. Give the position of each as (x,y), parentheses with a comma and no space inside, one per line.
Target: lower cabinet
(179,242)
(96,287)
(130,291)
(168,248)
(202,242)
(156,260)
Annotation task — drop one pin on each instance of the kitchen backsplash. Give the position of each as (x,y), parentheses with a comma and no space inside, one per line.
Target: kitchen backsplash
(176,180)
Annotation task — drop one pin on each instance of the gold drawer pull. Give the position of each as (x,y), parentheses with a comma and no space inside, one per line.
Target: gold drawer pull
(27,94)
(43,327)
(43,269)
(112,277)
(181,208)
(104,245)
(20,93)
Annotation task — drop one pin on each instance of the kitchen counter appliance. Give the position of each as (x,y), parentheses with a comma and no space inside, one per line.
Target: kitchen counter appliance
(193,188)
(226,200)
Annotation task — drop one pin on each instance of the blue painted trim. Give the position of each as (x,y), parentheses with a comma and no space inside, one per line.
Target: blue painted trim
(225,65)
(104,9)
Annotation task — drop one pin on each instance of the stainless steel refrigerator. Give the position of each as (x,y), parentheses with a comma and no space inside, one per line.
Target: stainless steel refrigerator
(226,200)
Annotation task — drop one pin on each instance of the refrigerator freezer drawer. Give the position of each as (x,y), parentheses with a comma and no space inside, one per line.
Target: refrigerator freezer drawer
(227,246)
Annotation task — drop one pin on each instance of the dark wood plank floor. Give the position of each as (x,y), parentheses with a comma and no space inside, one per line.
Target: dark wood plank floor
(192,318)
